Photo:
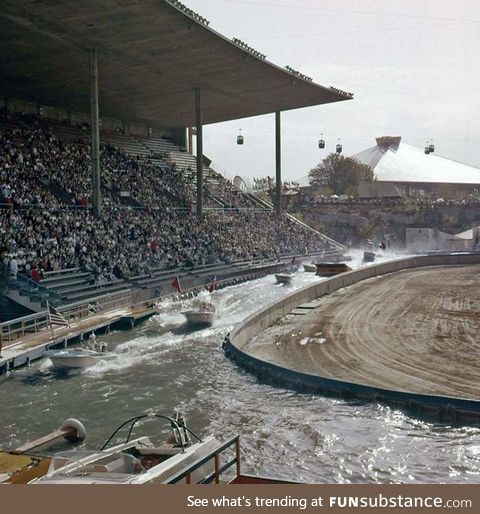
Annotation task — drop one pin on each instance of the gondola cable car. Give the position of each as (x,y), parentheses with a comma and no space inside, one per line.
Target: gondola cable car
(321,142)
(427,148)
(431,147)
(240,137)
(339,147)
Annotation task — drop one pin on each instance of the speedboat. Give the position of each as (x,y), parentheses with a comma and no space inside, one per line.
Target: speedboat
(202,314)
(369,253)
(182,458)
(330,269)
(333,257)
(310,268)
(369,256)
(85,357)
(136,461)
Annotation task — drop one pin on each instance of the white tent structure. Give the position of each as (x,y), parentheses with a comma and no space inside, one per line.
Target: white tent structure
(397,162)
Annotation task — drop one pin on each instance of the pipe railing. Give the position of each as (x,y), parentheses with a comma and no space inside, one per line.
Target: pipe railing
(215,456)
(28,287)
(29,326)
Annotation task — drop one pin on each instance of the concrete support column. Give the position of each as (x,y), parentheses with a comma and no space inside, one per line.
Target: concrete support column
(198,121)
(190,139)
(95,134)
(278,165)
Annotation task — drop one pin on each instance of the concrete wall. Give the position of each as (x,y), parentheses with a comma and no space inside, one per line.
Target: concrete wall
(243,332)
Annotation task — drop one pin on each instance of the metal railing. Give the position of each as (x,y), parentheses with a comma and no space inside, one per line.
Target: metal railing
(31,289)
(329,239)
(215,456)
(29,326)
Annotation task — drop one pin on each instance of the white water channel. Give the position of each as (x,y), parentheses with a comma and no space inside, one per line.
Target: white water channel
(162,365)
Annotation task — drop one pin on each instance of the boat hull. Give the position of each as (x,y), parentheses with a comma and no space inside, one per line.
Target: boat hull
(199,318)
(331,269)
(76,359)
(369,256)
(283,278)
(157,474)
(310,268)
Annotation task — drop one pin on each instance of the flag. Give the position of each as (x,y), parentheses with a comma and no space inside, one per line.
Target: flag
(55,317)
(176,284)
(213,285)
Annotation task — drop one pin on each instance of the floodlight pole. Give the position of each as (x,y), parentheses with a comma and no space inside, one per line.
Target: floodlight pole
(95,134)
(198,121)
(278,165)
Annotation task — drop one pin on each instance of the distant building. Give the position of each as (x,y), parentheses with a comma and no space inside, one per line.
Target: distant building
(380,191)
(420,240)
(417,174)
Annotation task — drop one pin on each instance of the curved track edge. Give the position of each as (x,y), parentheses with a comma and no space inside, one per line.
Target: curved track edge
(444,408)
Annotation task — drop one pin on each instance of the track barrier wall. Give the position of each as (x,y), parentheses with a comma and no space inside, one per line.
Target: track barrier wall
(445,408)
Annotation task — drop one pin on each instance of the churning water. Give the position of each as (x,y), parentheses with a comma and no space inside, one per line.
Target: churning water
(162,366)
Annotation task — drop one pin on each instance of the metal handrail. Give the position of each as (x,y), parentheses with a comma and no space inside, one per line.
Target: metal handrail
(19,327)
(23,283)
(187,471)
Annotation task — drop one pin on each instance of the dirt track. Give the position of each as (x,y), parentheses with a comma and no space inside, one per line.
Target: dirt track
(417,331)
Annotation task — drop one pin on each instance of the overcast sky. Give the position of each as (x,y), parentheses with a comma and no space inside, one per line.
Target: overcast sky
(411,64)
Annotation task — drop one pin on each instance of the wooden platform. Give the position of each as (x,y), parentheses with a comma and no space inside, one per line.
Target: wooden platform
(24,350)
(21,469)
(137,316)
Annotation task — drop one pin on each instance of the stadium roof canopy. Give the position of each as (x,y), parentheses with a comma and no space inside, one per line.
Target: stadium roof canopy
(393,161)
(151,56)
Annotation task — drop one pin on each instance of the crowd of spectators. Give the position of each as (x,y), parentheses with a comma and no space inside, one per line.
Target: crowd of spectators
(21,167)
(229,194)
(130,242)
(32,157)
(41,231)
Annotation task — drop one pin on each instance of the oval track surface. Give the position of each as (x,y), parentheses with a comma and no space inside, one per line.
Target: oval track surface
(415,330)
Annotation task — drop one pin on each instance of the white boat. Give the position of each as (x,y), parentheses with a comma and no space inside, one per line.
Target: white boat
(202,314)
(199,317)
(284,278)
(85,357)
(369,256)
(369,252)
(310,268)
(136,461)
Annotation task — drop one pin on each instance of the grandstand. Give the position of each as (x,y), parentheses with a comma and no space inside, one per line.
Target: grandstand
(88,210)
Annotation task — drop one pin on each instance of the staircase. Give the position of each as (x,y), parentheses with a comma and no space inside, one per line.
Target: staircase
(264,204)
(187,164)
(336,245)
(74,285)
(28,294)
(127,143)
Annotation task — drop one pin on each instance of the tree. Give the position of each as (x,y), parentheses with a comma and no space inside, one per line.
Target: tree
(341,174)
